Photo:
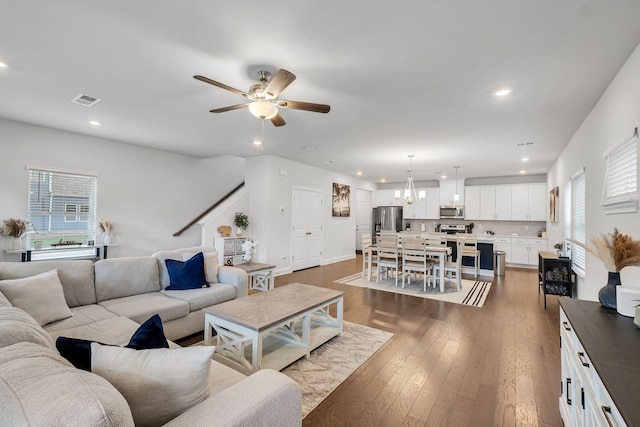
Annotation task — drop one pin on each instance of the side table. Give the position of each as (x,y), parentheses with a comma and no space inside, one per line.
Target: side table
(260,275)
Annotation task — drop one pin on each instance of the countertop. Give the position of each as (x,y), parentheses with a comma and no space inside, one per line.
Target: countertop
(612,342)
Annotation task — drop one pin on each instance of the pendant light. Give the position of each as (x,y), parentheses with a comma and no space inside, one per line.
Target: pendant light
(456,197)
(409,196)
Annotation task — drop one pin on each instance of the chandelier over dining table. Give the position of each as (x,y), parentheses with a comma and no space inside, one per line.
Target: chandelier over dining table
(409,196)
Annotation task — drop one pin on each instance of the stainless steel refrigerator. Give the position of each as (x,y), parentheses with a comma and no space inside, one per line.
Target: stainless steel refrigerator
(385,218)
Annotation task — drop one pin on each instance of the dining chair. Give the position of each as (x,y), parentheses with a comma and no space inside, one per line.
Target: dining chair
(452,268)
(388,256)
(414,258)
(368,252)
(470,250)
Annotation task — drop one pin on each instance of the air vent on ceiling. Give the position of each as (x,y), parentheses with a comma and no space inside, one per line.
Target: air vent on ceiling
(524,144)
(86,100)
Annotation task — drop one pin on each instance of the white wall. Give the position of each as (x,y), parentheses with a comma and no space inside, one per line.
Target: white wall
(611,122)
(147,194)
(269,191)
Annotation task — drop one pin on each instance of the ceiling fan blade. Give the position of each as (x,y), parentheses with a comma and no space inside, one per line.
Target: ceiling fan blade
(221,85)
(279,82)
(308,106)
(277,120)
(229,108)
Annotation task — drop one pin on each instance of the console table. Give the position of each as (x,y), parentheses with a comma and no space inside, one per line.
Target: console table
(26,254)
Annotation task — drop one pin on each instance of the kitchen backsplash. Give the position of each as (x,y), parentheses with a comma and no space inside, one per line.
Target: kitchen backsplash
(500,228)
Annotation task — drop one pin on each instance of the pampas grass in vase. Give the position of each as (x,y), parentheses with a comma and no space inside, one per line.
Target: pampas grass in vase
(106,227)
(616,251)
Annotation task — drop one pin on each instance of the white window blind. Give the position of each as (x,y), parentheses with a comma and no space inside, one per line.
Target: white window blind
(566,211)
(620,192)
(578,213)
(62,206)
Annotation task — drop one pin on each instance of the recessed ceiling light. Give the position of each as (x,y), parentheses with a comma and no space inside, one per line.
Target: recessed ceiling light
(257,143)
(522,171)
(359,173)
(3,65)
(309,148)
(95,122)
(382,180)
(502,92)
(443,176)
(524,159)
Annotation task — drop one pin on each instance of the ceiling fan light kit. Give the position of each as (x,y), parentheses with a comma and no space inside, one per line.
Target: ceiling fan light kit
(263,109)
(263,97)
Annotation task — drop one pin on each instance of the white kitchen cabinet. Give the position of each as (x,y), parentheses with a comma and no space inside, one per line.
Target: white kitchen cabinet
(433,203)
(528,202)
(448,189)
(503,244)
(524,250)
(495,202)
(387,197)
(417,209)
(472,203)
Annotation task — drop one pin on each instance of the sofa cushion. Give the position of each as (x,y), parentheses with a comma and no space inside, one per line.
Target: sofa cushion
(76,277)
(4,302)
(116,330)
(123,277)
(201,298)
(40,388)
(187,274)
(41,296)
(140,307)
(17,326)
(158,384)
(78,351)
(83,315)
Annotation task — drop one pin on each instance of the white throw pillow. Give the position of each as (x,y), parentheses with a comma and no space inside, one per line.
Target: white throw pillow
(158,384)
(41,296)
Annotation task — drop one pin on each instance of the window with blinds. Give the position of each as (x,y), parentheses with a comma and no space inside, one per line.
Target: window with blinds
(566,211)
(578,213)
(62,207)
(620,192)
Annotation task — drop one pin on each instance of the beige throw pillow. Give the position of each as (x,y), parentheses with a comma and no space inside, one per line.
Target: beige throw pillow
(210,265)
(158,384)
(41,296)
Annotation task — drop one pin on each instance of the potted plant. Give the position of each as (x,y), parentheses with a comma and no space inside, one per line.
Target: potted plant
(241,221)
(558,247)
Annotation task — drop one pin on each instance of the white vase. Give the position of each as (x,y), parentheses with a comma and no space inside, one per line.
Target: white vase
(17,243)
(238,231)
(107,238)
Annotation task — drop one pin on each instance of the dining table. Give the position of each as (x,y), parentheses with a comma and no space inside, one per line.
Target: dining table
(440,252)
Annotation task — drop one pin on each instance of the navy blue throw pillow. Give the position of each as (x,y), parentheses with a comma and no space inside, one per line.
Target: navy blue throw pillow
(149,335)
(187,274)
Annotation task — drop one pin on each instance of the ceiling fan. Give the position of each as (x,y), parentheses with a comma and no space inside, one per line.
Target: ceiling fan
(263,97)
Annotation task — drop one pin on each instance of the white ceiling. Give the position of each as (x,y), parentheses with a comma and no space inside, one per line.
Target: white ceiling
(407,77)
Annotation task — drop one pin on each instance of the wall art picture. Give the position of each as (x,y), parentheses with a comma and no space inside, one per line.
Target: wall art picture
(341,200)
(554,205)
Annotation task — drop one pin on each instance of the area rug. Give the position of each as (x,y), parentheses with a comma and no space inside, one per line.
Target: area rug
(473,293)
(331,363)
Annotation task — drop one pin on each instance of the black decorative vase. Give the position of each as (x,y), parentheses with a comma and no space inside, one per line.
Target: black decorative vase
(607,294)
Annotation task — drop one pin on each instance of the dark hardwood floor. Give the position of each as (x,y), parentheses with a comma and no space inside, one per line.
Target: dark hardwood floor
(447,364)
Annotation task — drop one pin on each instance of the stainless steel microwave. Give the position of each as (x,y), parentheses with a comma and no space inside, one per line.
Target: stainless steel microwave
(448,211)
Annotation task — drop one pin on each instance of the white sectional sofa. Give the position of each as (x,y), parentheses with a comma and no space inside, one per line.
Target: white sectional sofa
(107,301)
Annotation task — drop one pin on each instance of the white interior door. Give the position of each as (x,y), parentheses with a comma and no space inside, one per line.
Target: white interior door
(363,215)
(307,228)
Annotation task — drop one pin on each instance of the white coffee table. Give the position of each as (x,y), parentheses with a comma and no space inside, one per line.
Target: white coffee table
(275,328)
